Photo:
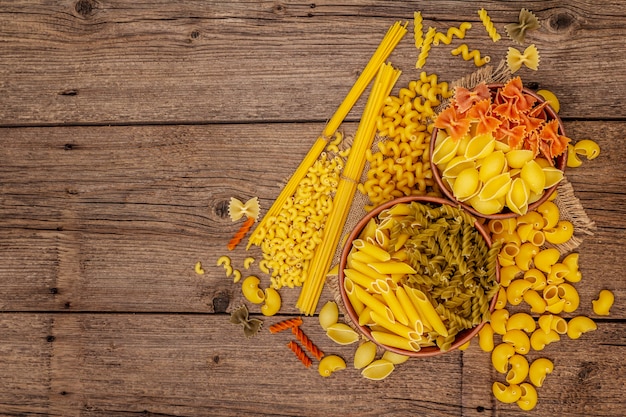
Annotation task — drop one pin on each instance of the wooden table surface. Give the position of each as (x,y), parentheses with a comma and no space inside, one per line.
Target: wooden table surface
(125,129)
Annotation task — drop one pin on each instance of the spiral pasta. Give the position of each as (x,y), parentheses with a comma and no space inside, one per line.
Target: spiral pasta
(285,324)
(459,32)
(239,235)
(300,354)
(418,29)
(425,49)
(307,343)
(489,26)
(474,54)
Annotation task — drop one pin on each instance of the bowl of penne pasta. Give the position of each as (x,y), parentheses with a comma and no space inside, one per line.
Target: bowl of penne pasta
(498,150)
(419,276)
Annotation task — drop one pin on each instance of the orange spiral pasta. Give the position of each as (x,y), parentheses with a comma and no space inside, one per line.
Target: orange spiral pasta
(285,324)
(240,233)
(297,350)
(307,343)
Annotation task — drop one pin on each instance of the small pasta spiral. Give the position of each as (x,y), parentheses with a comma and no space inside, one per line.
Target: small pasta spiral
(243,230)
(459,32)
(474,54)
(297,350)
(426,45)
(307,343)
(285,324)
(489,26)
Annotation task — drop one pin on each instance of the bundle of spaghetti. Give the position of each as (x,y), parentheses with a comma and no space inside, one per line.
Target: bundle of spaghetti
(307,343)
(393,36)
(240,233)
(297,350)
(285,324)
(312,287)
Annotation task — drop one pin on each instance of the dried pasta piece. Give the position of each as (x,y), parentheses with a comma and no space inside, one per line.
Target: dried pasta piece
(240,233)
(486,122)
(307,343)
(489,26)
(418,29)
(426,45)
(251,326)
(474,54)
(527,21)
(237,209)
(530,58)
(285,324)
(297,350)
(456,126)
(464,99)
(459,32)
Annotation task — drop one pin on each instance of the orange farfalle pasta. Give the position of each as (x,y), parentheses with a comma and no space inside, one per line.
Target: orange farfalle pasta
(285,324)
(482,113)
(551,143)
(297,350)
(240,233)
(307,343)
(464,99)
(456,126)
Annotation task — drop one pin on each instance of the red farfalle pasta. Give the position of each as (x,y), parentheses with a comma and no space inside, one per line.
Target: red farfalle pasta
(551,143)
(307,343)
(481,112)
(240,233)
(465,99)
(285,324)
(456,127)
(297,350)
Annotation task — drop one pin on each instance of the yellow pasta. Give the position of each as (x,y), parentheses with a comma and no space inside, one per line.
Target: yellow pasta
(485,338)
(500,356)
(540,339)
(528,397)
(545,259)
(409,309)
(394,357)
(392,267)
(506,393)
(588,148)
(247,262)
(329,315)
(568,293)
(342,334)
(236,275)
(198,268)
(518,339)
(561,233)
(251,291)
(602,305)
(364,354)
(499,319)
(355,277)
(330,364)
(377,370)
(535,301)
(373,303)
(372,250)
(521,321)
(392,301)
(237,209)
(571,261)
(453,31)
(425,49)
(272,302)
(579,325)
(519,369)
(548,322)
(393,340)
(418,29)
(538,370)
(489,26)
(515,291)
(474,55)
(395,327)
(530,58)
(426,310)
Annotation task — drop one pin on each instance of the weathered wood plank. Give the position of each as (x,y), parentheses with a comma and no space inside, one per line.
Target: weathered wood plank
(115,220)
(199,365)
(86,62)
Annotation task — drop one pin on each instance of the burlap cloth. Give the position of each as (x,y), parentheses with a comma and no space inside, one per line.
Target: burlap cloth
(569,205)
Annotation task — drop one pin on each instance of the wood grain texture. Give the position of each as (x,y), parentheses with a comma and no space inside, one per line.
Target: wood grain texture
(117,62)
(126,127)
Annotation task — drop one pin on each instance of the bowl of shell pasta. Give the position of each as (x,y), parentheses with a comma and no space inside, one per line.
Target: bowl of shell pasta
(419,276)
(498,150)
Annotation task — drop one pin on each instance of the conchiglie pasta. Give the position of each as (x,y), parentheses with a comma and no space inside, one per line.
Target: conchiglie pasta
(364,354)
(329,315)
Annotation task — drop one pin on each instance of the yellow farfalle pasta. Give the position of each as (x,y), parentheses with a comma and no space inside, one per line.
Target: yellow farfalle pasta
(489,26)
(579,325)
(237,209)
(530,58)
(602,305)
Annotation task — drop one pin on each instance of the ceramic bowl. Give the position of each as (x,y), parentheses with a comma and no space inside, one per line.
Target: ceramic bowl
(560,162)
(463,336)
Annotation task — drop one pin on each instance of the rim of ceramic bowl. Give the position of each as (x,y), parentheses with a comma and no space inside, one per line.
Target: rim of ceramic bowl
(560,163)
(463,336)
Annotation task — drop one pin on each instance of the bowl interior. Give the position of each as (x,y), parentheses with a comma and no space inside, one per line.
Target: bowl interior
(560,162)
(463,336)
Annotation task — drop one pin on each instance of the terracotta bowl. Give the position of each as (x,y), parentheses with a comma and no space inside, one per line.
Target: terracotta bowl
(560,162)
(463,336)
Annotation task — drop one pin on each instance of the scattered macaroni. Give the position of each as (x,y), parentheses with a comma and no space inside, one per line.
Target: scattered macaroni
(602,305)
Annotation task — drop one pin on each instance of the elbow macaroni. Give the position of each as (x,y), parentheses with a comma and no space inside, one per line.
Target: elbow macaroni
(272,302)
(579,325)
(602,305)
